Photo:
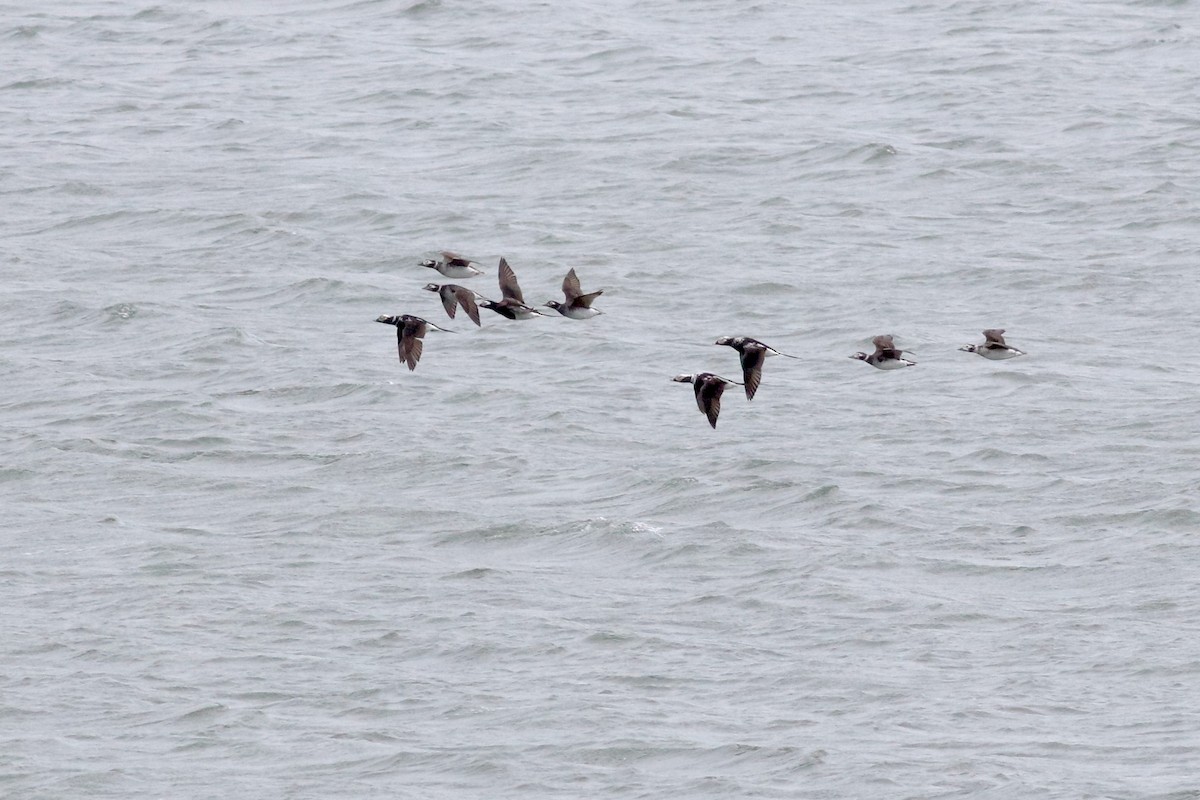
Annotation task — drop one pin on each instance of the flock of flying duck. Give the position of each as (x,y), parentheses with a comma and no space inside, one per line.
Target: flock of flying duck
(411,330)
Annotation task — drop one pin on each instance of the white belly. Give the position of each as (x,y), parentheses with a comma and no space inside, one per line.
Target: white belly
(451,271)
(895,363)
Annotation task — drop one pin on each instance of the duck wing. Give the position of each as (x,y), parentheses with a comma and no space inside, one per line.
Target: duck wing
(708,396)
(466,298)
(448,293)
(570,286)
(508,283)
(585,300)
(454,259)
(752,362)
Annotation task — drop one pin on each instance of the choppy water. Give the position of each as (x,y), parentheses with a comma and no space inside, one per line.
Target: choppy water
(246,553)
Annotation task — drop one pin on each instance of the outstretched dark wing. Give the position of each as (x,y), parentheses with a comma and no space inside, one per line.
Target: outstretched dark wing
(885,347)
(466,298)
(409,337)
(448,294)
(570,286)
(585,300)
(508,283)
(708,396)
(994,336)
(752,362)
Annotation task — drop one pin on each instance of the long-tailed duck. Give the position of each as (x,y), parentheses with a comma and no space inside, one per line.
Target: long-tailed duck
(410,331)
(752,353)
(513,305)
(452,296)
(577,305)
(994,347)
(452,265)
(886,355)
(708,388)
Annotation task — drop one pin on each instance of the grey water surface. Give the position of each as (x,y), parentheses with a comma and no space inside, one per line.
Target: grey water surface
(246,553)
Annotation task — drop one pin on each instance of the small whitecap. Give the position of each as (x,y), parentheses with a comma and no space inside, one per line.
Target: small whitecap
(121,311)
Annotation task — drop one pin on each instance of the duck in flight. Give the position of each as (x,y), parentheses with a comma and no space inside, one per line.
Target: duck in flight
(577,304)
(886,355)
(994,346)
(410,331)
(513,305)
(452,265)
(752,353)
(708,388)
(453,296)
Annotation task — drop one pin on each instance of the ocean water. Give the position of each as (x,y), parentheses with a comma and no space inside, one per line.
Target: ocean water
(247,553)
